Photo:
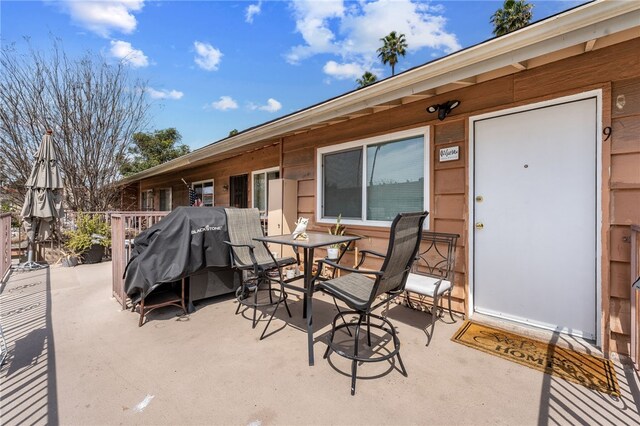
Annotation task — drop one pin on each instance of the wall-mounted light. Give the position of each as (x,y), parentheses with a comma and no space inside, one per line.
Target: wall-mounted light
(443,109)
(225,187)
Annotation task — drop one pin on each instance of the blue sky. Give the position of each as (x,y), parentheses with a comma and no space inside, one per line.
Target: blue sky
(213,66)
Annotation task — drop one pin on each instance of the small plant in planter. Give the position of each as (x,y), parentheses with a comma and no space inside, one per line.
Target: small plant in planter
(338,229)
(69,258)
(89,239)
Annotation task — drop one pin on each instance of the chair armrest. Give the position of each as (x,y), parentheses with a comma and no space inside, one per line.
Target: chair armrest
(239,245)
(251,254)
(364,256)
(375,253)
(346,268)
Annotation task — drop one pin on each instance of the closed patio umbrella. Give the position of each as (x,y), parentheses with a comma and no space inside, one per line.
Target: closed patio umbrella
(43,202)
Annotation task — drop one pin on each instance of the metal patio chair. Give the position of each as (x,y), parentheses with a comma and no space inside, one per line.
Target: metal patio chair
(258,266)
(163,295)
(360,292)
(433,274)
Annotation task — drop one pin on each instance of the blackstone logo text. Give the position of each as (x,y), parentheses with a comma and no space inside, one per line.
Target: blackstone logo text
(206,228)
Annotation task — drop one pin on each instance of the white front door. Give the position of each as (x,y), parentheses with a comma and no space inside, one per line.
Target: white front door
(534,216)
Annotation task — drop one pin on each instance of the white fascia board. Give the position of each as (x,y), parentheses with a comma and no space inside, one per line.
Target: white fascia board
(592,20)
(439,73)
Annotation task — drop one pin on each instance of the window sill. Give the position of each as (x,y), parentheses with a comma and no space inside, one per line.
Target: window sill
(373,224)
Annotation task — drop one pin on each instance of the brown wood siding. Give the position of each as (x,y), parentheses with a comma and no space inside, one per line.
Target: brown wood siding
(129,197)
(615,70)
(624,206)
(616,63)
(449,208)
(219,171)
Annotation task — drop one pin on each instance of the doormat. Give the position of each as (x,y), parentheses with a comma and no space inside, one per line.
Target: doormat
(587,370)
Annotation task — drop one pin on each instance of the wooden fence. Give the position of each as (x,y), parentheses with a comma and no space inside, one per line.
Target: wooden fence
(5,244)
(635,296)
(125,226)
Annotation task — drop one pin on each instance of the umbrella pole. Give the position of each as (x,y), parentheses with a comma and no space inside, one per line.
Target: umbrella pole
(42,202)
(30,264)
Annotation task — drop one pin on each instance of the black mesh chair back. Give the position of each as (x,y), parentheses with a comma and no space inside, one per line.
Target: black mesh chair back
(404,241)
(243,226)
(360,292)
(254,259)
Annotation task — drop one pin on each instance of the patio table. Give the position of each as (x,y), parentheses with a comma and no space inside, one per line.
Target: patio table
(308,246)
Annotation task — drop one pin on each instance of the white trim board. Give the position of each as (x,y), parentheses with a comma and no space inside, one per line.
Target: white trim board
(256,172)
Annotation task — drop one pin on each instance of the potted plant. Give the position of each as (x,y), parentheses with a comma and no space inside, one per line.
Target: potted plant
(89,239)
(69,258)
(334,249)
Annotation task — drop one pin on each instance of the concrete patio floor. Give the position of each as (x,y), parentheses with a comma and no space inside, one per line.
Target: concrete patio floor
(75,358)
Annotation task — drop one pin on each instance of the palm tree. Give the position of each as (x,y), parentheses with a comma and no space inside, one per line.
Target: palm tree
(514,15)
(366,79)
(393,45)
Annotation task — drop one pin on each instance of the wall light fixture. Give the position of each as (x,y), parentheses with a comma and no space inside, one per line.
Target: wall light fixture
(443,109)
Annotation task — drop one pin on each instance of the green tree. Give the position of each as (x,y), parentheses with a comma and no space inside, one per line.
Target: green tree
(366,79)
(151,149)
(513,15)
(233,132)
(392,45)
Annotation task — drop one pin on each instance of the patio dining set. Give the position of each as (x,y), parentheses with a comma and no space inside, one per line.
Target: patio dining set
(416,261)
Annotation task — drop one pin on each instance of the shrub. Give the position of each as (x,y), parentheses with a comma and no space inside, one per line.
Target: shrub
(90,229)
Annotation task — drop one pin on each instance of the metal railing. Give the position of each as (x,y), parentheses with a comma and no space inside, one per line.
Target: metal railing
(125,226)
(5,244)
(635,297)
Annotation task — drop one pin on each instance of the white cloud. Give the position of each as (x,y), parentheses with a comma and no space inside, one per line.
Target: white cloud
(207,56)
(252,10)
(423,27)
(353,32)
(344,71)
(313,23)
(124,51)
(164,94)
(104,17)
(271,106)
(225,103)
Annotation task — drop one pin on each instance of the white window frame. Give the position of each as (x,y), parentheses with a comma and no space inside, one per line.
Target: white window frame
(213,190)
(170,197)
(145,195)
(265,172)
(389,137)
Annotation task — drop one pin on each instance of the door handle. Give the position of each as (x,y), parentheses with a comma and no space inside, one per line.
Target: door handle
(479,225)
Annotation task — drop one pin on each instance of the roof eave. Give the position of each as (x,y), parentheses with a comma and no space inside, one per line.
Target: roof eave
(590,21)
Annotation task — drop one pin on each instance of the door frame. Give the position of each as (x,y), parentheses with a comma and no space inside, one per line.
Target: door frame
(266,173)
(597,94)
